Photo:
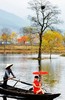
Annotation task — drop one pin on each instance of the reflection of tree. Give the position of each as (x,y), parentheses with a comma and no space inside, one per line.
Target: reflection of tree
(39,64)
(53,77)
(52,66)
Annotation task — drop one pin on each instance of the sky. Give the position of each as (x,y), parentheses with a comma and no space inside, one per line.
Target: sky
(20,7)
(17,7)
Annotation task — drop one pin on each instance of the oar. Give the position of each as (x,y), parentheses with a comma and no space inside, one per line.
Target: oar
(16,83)
(22,82)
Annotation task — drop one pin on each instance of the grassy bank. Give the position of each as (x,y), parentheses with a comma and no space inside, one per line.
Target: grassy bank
(13,49)
(18,49)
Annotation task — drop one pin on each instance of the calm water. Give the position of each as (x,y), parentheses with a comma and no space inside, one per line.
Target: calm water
(23,67)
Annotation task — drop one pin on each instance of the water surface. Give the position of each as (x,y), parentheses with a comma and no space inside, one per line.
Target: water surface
(23,67)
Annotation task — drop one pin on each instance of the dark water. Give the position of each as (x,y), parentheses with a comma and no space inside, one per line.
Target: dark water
(23,67)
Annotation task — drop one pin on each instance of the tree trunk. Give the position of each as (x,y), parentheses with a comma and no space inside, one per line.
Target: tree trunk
(50,53)
(4,48)
(40,45)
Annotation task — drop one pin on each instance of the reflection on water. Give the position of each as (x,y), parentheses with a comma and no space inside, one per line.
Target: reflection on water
(54,68)
(23,67)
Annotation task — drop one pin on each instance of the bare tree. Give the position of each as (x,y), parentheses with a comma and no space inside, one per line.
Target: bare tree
(6,30)
(45,16)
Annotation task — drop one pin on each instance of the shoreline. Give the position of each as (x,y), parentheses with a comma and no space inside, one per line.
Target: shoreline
(25,49)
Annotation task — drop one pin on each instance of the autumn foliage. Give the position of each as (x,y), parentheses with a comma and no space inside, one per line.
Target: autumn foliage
(22,39)
(52,39)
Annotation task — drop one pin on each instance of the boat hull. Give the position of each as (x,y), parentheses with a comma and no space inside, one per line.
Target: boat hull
(22,93)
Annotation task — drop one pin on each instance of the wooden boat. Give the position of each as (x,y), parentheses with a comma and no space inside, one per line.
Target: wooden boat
(26,94)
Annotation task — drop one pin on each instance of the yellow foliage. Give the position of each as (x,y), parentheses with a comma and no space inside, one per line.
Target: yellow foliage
(13,34)
(52,39)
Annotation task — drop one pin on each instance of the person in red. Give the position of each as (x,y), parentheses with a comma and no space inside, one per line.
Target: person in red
(37,86)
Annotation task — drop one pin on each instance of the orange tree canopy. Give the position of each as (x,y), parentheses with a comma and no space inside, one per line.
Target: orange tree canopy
(23,39)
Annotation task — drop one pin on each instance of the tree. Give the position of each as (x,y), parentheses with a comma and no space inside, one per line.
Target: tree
(23,39)
(6,30)
(45,16)
(64,39)
(29,31)
(13,37)
(52,40)
(4,38)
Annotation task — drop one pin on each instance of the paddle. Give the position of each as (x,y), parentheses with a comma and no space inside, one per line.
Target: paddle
(22,82)
(16,83)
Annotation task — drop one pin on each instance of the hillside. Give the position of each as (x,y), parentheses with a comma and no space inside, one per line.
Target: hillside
(8,20)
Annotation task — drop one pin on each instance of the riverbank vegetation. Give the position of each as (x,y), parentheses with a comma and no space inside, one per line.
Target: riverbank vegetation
(30,49)
(52,42)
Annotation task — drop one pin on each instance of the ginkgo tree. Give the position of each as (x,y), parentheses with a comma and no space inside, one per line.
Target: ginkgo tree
(51,40)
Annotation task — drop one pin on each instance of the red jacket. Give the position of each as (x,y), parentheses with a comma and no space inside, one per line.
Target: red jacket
(35,89)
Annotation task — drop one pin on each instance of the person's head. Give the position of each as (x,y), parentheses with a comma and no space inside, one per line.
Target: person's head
(36,77)
(8,66)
